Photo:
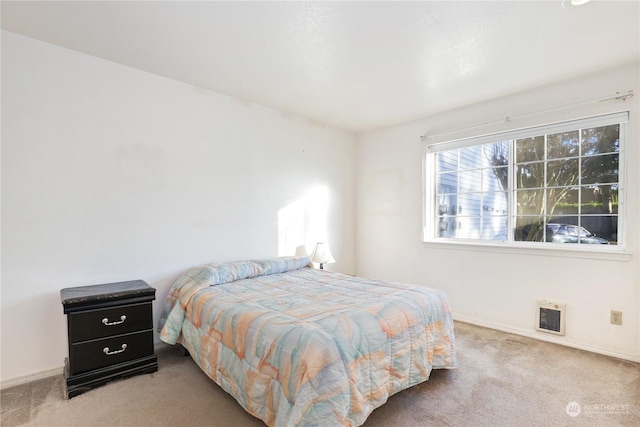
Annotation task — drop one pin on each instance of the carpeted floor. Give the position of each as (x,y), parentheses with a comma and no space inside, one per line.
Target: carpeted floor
(502,380)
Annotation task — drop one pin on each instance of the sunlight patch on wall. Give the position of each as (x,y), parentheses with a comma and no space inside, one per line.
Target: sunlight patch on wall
(303,222)
(290,228)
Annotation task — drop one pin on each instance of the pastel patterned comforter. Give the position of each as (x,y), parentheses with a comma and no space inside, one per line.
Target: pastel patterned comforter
(298,346)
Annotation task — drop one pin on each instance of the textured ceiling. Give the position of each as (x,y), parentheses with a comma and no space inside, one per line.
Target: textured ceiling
(355,65)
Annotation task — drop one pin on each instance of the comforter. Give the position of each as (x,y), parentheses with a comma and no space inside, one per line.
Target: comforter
(299,346)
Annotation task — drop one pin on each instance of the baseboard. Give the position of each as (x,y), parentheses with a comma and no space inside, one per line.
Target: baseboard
(544,337)
(12,382)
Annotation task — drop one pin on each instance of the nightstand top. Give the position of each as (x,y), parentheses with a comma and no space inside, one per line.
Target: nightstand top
(82,295)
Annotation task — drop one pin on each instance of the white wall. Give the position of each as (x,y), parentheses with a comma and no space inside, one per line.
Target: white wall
(110,174)
(499,288)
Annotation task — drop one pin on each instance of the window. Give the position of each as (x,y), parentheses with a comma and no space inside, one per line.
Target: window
(559,183)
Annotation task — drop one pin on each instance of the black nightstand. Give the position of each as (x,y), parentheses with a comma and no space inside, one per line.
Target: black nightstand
(110,333)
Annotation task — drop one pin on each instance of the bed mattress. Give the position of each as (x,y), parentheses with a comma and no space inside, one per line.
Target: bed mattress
(300,346)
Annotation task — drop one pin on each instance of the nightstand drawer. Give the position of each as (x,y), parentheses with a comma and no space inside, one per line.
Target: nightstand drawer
(95,354)
(106,322)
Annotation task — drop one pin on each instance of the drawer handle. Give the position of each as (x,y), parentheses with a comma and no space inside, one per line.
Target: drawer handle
(123,347)
(105,321)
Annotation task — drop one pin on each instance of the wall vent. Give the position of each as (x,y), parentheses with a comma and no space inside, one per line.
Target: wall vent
(550,317)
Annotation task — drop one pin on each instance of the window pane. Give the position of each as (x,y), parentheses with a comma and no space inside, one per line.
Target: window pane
(562,201)
(529,229)
(530,175)
(494,228)
(446,226)
(530,202)
(470,180)
(565,144)
(562,172)
(447,183)
(495,179)
(563,230)
(468,228)
(530,149)
(446,204)
(599,199)
(603,169)
(605,139)
(469,204)
(497,153)
(447,161)
(471,157)
(600,228)
(494,203)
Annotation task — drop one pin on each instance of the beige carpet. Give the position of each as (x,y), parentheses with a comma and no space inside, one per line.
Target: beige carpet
(502,380)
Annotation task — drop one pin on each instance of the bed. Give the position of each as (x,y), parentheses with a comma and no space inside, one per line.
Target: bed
(299,346)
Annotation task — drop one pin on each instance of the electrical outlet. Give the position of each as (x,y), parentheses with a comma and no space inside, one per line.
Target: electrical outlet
(616,317)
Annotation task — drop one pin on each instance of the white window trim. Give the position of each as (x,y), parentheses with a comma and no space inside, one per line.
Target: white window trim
(614,252)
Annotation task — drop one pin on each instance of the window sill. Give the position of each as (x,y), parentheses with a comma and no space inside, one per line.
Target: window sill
(566,252)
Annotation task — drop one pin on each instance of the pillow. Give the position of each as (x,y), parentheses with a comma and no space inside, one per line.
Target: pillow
(283,264)
(226,272)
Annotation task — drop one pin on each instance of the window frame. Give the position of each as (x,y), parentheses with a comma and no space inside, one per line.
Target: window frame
(430,174)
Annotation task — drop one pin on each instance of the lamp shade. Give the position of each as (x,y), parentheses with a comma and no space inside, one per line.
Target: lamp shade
(322,254)
(301,251)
